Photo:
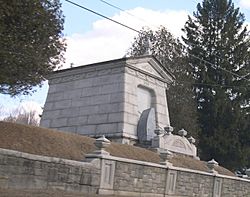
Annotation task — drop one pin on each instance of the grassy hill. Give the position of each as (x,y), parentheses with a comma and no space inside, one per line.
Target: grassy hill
(53,143)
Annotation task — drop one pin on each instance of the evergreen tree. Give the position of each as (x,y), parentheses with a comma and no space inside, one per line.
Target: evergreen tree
(168,51)
(218,52)
(31,44)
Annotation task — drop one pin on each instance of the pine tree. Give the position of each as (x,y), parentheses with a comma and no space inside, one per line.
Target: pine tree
(169,51)
(31,44)
(218,52)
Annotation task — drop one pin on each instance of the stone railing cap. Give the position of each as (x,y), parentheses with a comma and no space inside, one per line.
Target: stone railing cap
(102,139)
(182,132)
(212,161)
(191,140)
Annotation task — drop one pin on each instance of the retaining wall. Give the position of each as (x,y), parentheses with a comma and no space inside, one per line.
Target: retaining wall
(136,178)
(26,171)
(108,175)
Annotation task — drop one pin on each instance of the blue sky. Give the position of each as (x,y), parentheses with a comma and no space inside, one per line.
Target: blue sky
(91,38)
(83,20)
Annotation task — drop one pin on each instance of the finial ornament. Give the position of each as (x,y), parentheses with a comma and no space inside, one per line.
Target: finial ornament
(102,143)
(182,132)
(211,165)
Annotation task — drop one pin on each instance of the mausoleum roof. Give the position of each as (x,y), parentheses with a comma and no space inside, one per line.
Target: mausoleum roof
(128,61)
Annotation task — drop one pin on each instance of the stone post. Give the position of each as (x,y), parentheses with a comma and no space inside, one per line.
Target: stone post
(211,165)
(158,139)
(165,157)
(182,132)
(169,129)
(248,173)
(159,132)
(191,140)
(101,143)
(192,143)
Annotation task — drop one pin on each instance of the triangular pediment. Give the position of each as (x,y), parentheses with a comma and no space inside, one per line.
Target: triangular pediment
(148,68)
(151,66)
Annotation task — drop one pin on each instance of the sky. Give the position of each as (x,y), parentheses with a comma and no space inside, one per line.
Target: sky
(91,38)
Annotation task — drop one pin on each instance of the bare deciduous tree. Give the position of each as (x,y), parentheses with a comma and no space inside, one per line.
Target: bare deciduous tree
(22,116)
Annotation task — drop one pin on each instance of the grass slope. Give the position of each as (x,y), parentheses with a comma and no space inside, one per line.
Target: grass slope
(48,142)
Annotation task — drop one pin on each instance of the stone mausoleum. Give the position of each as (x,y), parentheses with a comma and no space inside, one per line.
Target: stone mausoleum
(108,98)
(123,99)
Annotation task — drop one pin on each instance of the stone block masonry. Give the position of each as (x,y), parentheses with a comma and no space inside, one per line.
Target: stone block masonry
(26,171)
(103,98)
(108,175)
(136,178)
(87,101)
(139,178)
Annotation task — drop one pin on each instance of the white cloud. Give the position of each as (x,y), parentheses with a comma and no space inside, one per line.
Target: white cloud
(108,40)
(245,4)
(105,41)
